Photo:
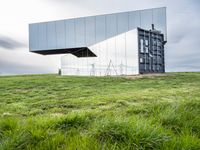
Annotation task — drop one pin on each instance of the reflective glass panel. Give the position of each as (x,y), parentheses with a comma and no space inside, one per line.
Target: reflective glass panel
(42,36)
(90,30)
(70,33)
(80,32)
(134,20)
(123,22)
(159,19)
(33,36)
(111,25)
(100,28)
(146,19)
(51,35)
(60,34)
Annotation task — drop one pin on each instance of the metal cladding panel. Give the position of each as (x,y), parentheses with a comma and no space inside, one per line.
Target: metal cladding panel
(122,22)
(134,19)
(87,31)
(90,30)
(51,35)
(100,28)
(42,36)
(70,33)
(33,37)
(60,34)
(80,32)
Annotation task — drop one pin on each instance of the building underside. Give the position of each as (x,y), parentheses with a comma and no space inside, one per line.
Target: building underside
(78,52)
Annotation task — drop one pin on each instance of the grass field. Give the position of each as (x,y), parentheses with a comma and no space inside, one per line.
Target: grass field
(87,113)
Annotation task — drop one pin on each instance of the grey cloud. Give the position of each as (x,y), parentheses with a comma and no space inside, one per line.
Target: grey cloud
(7,68)
(24,62)
(9,43)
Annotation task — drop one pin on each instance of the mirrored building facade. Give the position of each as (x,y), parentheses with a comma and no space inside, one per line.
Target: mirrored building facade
(112,44)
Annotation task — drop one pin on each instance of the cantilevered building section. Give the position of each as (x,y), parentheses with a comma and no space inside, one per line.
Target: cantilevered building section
(124,43)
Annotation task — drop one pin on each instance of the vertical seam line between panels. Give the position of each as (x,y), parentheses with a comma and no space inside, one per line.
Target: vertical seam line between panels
(166,24)
(65,33)
(38,36)
(74,22)
(95,32)
(128,21)
(140,18)
(106,38)
(56,35)
(152,20)
(117,26)
(84,31)
(46,36)
(105,27)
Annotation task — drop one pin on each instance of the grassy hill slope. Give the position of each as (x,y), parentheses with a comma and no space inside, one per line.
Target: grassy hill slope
(56,112)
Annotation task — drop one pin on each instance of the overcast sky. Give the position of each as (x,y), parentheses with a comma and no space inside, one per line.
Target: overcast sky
(182,50)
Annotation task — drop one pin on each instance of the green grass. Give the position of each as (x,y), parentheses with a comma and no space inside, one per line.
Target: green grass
(93,113)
